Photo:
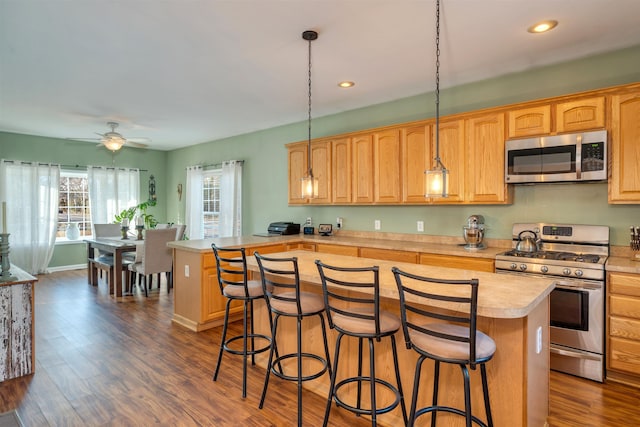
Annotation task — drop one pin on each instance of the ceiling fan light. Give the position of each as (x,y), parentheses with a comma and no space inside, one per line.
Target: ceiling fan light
(113,144)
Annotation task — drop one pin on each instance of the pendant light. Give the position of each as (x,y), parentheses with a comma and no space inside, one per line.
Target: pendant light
(437,179)
(309,183)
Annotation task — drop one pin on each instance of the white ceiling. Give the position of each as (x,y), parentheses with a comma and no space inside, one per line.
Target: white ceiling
(182,72)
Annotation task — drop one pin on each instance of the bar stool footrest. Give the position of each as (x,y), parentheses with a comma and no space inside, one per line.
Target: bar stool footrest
(367,380)
(449,409)
(278,360)
(250,337)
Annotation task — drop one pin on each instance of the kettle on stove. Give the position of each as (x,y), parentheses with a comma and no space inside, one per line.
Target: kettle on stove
(528,243)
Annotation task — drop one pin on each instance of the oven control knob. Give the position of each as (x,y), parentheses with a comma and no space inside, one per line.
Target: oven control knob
(513,266)
(566,271)
(523,267)
(544,269)
(579,273)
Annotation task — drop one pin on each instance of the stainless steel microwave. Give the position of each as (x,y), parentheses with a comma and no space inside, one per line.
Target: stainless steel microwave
(559,158)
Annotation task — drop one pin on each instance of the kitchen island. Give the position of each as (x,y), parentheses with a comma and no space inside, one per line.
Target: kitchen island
(515,315)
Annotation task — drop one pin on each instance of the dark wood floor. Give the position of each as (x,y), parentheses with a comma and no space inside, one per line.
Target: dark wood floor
(102,362)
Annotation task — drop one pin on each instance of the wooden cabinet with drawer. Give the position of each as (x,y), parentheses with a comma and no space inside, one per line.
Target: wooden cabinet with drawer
(452,261)
(389,255)
(623,328)
(337,249)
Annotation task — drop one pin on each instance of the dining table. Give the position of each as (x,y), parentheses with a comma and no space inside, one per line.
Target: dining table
(117,247)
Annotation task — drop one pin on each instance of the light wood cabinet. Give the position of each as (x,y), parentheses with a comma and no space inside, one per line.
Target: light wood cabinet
(579,115)
(624,182)
(362,168)
(485,182)
(451,261)
(297,159)
(387,170)
(416,158)
(389,255)
(341,170)
(321,167)
(530,121)
(337,249)
(623,328)
(452,156)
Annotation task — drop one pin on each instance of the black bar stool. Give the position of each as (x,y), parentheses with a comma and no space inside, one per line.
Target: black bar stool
(231,266)
(353,307)
(281,285)
(448,337)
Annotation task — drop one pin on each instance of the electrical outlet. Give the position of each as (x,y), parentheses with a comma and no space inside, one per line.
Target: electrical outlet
(308,221)
(186,270)
(420,225)
(376,224)
(339,223)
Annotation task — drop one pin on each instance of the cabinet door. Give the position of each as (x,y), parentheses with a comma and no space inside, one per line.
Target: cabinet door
(624,184)
(416,158)
(452,156)
(485,160)
(297,170)
(389,255)
(341,170)
(337,249)
(321,164)
(623,328)
(530,121)
(362,168)
(465,263)
(584,114)
(387,167)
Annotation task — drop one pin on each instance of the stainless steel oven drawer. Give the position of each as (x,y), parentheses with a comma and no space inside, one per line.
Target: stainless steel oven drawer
(577,362)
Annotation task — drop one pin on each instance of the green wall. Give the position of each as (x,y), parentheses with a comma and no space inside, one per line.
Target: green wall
(70,153)
(265,168)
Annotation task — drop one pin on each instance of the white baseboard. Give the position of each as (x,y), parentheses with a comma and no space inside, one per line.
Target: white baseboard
(66,268)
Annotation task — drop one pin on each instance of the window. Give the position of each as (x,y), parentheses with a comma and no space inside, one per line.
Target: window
(73,203)
(211,202)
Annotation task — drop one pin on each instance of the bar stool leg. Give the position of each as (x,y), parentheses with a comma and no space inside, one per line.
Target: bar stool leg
(359,374)
(333,379)
(416,388)
(273,350)
(299,348)
(222,339)
(372,383)
(244,348)
(398,380)
(485,389)
(467,394)
(436,381)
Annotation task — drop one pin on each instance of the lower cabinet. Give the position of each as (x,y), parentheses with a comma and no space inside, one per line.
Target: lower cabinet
(452,261)
(623,328)
(337,249)
(389,255)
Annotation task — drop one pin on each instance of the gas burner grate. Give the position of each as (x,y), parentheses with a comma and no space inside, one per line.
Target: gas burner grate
(553,255)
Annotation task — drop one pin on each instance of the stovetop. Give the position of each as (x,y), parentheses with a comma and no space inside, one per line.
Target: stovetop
(554,255)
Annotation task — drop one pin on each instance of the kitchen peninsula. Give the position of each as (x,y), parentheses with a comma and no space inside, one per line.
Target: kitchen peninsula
(515,315)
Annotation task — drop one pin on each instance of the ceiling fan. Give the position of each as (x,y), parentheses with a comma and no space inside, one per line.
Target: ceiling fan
(114,141)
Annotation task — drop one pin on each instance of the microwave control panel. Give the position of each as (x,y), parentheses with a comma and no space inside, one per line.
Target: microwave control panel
(593,156)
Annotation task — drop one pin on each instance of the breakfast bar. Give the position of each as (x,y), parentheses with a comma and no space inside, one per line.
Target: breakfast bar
(516,318)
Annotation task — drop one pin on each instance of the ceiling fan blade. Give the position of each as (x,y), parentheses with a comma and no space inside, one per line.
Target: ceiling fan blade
(135,144)
(140,140)
(85,139)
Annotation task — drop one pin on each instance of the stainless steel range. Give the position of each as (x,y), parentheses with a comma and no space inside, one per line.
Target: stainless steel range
(574,255)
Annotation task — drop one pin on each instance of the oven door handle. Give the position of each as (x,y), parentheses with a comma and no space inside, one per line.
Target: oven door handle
(574,354)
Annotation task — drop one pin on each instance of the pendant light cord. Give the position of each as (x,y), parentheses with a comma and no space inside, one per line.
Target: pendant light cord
(309,111)
(438,162)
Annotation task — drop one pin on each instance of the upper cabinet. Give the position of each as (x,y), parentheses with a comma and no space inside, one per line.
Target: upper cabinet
(362,168)
(416,158)
(341,170)
(387,168)
(530,121)
(583,114)
(452,156)
(485,160)
(297,154)
(321,168)
(624,182)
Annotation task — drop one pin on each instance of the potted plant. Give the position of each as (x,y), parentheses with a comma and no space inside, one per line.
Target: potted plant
(141,210)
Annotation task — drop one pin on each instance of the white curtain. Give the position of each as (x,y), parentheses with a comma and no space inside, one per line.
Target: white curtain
(231,199)
(111,190)
(30,191)
(194,209)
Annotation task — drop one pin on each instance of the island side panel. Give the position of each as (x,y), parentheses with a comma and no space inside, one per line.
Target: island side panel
(187,290)
(538,365)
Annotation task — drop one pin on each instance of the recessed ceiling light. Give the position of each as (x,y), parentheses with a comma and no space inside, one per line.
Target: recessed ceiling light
(542,27)
(346,84)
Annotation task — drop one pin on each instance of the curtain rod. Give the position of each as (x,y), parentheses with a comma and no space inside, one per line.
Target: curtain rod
(23,162)
(215,165)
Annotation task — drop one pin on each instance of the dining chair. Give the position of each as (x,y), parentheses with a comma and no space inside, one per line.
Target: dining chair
(156,257)
(444,337)
(102,261)
(352,300)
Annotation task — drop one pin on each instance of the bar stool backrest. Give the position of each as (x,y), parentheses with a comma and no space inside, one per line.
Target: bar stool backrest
(420,298)
(231,265)
(353,292)
(280,279)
